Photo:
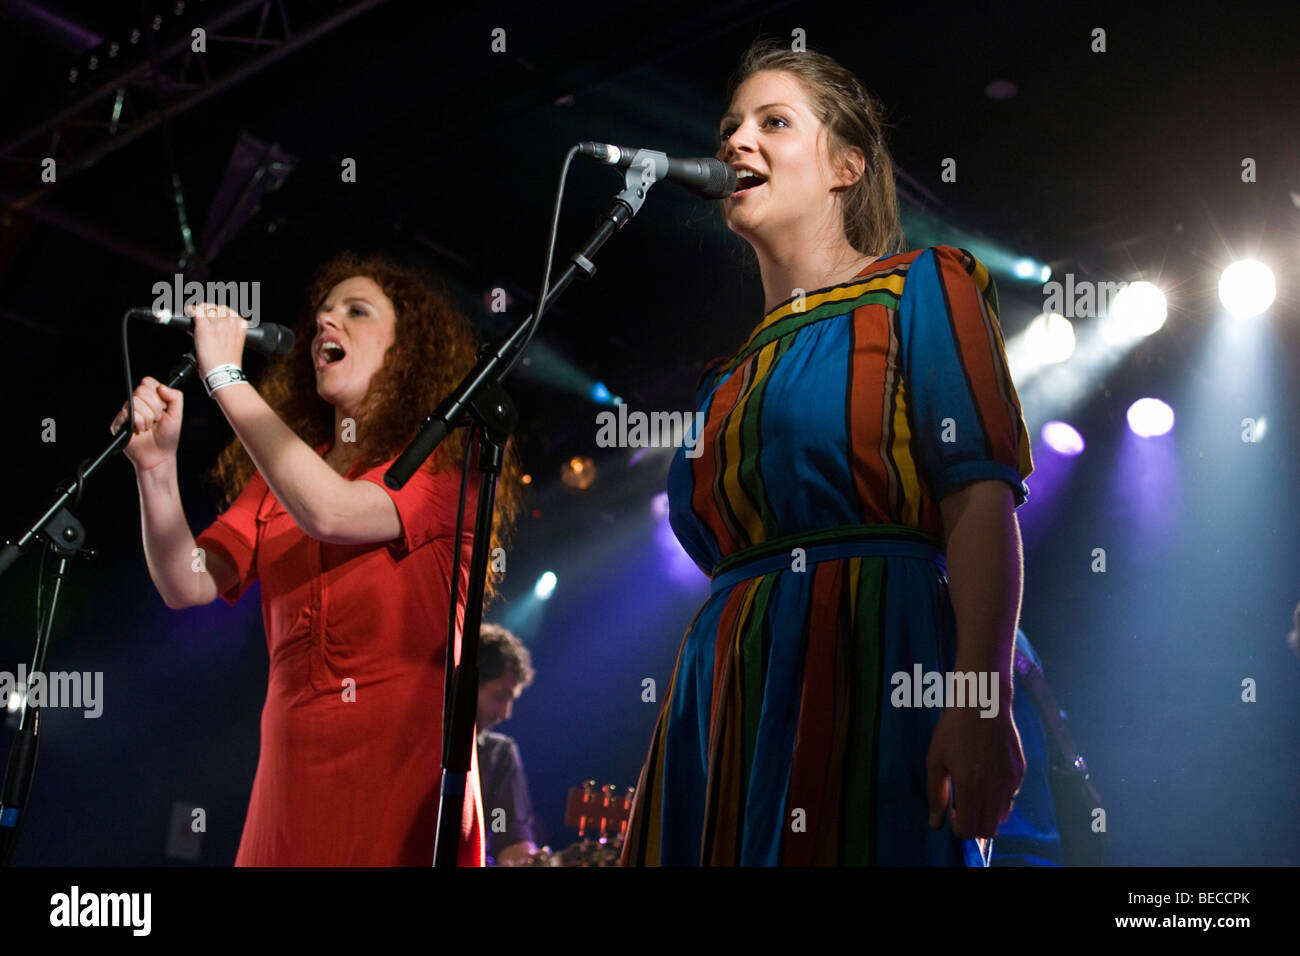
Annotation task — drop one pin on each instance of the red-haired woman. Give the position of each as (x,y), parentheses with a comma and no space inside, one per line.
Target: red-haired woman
(354,576)
(866,428)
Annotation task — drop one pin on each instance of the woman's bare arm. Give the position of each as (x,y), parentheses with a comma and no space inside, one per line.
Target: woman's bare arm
(325,505)
(980,755)
(183,576)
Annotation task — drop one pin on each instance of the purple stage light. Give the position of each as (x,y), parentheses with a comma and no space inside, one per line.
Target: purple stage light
(659,506)
(1063,438)
(1149,417)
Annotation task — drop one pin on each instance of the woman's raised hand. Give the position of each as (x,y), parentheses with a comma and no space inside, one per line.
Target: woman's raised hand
(157,424)
(219,333)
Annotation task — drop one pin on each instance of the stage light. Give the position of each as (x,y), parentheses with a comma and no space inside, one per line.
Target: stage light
(1049,339)
(525,479)
(1138,309)
(545,586)
(578,473)
(1246,288)
(1149,417)
(599,393)
(12,708)
(1063,438)
(1030,269)
(659,506)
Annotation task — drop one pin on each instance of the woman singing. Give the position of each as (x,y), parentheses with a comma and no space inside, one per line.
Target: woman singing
(867,429)
(354,576)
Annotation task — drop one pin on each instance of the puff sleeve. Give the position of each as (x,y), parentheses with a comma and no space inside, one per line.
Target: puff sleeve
(966,417)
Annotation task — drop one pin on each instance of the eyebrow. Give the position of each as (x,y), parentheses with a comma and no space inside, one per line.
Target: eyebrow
(732,114)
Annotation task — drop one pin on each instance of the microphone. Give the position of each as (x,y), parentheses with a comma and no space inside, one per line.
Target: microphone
(267,338)
(710,178)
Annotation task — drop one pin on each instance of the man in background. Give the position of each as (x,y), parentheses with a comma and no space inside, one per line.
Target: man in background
(505,669)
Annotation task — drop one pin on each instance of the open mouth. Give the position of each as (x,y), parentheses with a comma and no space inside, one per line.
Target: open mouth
(746,180)
(330,353)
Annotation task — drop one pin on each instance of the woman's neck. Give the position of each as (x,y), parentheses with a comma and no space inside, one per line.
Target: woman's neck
(805,263)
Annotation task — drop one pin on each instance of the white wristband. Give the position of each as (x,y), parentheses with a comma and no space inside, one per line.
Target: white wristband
(223,375)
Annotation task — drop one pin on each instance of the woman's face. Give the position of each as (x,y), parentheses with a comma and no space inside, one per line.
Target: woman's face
(771,129)
(355,325)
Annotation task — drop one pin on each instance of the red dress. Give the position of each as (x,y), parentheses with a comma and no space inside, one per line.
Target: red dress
(351,741)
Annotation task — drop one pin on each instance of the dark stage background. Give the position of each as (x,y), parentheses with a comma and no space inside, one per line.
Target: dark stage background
(1107,166)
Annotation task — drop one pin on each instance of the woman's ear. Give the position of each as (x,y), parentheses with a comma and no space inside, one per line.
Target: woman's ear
(852,163)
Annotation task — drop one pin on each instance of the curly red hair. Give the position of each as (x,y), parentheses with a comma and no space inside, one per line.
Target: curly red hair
(434,346)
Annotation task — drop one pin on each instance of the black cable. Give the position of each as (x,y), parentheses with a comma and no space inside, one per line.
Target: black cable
(40,595)
(130,389)
(550,256)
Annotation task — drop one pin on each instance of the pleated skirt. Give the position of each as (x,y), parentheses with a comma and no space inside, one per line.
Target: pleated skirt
(777,743)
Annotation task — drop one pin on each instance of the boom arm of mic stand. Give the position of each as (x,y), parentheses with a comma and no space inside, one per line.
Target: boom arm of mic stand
(494,363)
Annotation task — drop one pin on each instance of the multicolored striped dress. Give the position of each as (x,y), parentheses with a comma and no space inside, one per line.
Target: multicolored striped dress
(813,505)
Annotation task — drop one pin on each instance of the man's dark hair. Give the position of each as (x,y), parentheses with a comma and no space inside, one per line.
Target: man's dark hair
(500,651)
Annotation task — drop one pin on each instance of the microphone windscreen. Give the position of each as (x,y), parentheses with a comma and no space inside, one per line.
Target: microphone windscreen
(722,179)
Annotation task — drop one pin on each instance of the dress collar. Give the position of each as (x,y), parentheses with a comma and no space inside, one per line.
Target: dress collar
(881,280)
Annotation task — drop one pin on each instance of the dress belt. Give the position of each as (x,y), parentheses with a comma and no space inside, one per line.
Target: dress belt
(826,544)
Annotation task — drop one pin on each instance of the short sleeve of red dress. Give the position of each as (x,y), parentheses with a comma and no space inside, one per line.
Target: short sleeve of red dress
(234,535)
(426,506)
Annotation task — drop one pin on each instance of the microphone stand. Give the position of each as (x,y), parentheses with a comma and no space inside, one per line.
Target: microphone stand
(65,537)
(480,402)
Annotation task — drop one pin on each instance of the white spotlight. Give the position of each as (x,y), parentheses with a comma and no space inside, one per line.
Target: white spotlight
(1050,338)
(545,586)
(1246,288)
(1150,417)
(1139,309)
